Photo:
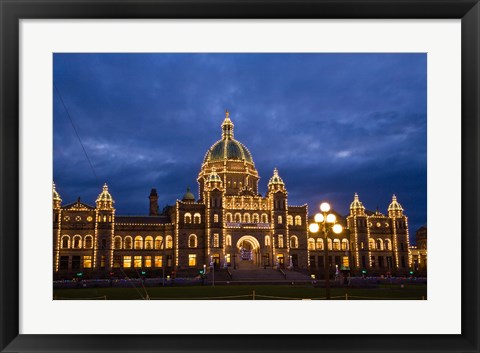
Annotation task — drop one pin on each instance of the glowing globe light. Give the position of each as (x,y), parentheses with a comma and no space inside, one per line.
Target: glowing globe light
(337,228)
(331,218)
(319,218)
(325,207)
(313,227)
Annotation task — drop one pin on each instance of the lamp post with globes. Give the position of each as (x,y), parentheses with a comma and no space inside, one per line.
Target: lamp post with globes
(325,222)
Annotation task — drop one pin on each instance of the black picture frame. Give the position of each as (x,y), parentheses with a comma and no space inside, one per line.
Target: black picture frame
(12,11)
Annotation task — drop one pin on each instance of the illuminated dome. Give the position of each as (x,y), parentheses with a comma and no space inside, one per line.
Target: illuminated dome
(227,148)
(395,206)
(105,200)
(214,177)
(275,179)
(356,204)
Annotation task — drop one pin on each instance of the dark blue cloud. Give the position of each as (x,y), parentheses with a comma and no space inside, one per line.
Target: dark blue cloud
(333,124)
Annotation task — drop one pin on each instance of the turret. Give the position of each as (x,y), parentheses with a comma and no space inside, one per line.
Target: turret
(356,207)
(395,209)
(57,201)
(276,183)
(188,196)
(153,202)
(213,180)
(105,200)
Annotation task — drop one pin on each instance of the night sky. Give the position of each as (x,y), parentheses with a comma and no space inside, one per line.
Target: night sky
(333,125)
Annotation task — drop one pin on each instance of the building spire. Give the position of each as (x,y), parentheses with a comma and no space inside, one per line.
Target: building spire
(227,127)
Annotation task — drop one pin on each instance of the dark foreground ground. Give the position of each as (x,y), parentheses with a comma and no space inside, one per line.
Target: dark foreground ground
(247,292)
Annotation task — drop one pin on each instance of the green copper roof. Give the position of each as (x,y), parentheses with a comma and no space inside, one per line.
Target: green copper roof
(228,149)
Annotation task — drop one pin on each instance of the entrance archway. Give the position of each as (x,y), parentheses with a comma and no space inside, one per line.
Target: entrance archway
(248,249)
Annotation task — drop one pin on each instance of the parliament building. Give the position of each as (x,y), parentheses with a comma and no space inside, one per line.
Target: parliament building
(230,222)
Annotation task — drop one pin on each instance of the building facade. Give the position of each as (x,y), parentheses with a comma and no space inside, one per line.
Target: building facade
(229,222)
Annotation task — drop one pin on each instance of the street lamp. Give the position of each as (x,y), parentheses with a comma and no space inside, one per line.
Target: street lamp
(325,222)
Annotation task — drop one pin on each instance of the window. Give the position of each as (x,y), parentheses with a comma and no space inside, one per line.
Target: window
(229,240)
(336,244)
(148,261)
(197,219)
(128,243)
(371,244)
(246,218)
(188,218)
(158,261)
(311,244)
(267,240)
(344,244)
(298,220)
(169,242)
(388,244)
(380,261)
(117,261)
(372,261)
(158,243)
(229,217)
(192,260)
(280,220)
(88,242)
(138,242)
(264,218)
(137,261)
(215,218)
(329,244)
(320,244)
(379,244)
(192,241)
(127,261)
(280,241)
(104,243)
(75,262)
(87,261)
(238,217)
(77,242)
(294,242)
(117,243)
(364,262)
(102,261)
(290,220)
(63,262)
(65,242)
(312,261)
(255,218)
(216,241)
(149,243)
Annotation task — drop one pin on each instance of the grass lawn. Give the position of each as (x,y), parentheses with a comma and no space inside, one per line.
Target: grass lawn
(245,292)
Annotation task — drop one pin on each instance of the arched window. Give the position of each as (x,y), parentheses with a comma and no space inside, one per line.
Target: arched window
(344,244)
(65,242)
(187,218)
(298,220)
(329,244)
(138,242)
(267,240)
(264,218)
(228,217)
(192,241)
(379,244)
(320,244)
(197,219)
(149,243)
(311,244)
(77,242)
(169,242)
(388,244)
(158,243)
(216,240)
(336,244)
(215,218)
(228,240)
(255,218)
(246,218)
(280,219)
(127,242)
(294,242)
(88,244)
(280,241)
(290,220)
(238,217)
(117,243)
(371,244)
